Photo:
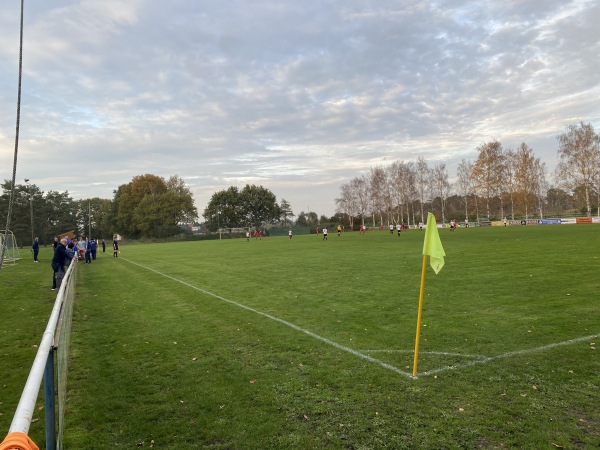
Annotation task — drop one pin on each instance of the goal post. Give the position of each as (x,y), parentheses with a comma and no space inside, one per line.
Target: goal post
(232,233)
(8,240)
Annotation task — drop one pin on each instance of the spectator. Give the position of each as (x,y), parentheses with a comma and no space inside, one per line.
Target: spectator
(94,248)
(70,253)
(88,251)
(36,249)
(58,263)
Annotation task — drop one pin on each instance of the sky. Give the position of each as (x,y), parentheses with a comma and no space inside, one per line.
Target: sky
(296,96)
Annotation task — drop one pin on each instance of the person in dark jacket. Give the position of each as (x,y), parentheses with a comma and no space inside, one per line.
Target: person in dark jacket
(88,251)
(94,245)
(36,249)
(70,253)
(58,263)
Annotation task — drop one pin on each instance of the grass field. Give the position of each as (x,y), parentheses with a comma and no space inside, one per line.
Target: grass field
(309,344)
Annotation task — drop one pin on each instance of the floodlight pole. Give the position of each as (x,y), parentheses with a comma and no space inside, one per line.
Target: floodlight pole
(219,223)
(29,187)
(14,174)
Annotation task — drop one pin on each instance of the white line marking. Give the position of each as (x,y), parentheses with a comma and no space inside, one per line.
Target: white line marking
(478,359)
(511,354)
(284,322)
(462,355)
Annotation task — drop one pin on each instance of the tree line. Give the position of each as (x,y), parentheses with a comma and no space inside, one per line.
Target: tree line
(148,206)
(255,207)
(499,183)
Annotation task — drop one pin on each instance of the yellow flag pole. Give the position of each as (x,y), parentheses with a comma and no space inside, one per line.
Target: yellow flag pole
(416,359)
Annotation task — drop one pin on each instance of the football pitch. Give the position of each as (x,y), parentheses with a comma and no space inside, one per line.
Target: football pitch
(305,343)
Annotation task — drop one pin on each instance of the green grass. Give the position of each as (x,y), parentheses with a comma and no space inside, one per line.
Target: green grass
(254,345)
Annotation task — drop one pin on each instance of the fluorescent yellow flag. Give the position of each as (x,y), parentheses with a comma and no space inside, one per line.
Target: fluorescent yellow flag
(432,245)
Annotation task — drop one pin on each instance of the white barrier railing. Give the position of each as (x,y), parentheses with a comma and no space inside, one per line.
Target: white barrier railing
(43,368)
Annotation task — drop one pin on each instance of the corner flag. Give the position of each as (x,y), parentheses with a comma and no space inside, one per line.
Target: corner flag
(432,245)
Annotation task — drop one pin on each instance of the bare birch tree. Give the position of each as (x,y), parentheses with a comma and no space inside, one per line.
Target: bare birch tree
(488,172)
(377,190)
(441,186)
(347,202)
(360,187)
(579,154)
(510,181)
(464,183)
(541,185)
(525,178)
(421,181)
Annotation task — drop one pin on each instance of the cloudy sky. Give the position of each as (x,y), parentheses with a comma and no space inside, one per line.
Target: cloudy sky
(296,96)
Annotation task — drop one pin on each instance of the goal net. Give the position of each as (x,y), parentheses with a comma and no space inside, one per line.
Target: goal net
(11,253)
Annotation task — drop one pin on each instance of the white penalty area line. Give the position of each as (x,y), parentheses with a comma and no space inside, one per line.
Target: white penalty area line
(284,322)
(476,359)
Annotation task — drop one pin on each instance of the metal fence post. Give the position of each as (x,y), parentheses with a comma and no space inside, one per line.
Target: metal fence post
(49,401)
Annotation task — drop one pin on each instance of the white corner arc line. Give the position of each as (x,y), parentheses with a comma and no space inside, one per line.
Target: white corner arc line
(284,322)
(511,354)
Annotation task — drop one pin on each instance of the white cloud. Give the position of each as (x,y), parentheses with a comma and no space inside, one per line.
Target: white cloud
(296,96)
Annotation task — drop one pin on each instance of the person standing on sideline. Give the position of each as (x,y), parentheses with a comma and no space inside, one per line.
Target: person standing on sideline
(324,233)
(339,230)
(36,249)
(115,248)
(103,246)
(290,233)
(94,248)
(58,263)
(88,251)
(81,248)
(70,253)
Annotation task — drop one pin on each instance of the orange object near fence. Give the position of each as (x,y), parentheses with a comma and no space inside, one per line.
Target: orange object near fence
(18,441)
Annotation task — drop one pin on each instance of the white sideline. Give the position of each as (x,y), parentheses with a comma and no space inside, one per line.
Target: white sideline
(477,359)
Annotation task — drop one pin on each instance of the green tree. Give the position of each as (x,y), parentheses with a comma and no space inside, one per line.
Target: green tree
(302,221)
(285,211)
(58,213)
(258,205)
(312,219)
(93,217)
(223,209)
(149,206)
(251,206)
(20,223)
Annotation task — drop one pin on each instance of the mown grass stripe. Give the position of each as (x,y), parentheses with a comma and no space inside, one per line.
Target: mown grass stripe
(277,319)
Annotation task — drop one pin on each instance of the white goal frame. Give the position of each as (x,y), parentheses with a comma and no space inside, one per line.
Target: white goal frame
(12,250)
